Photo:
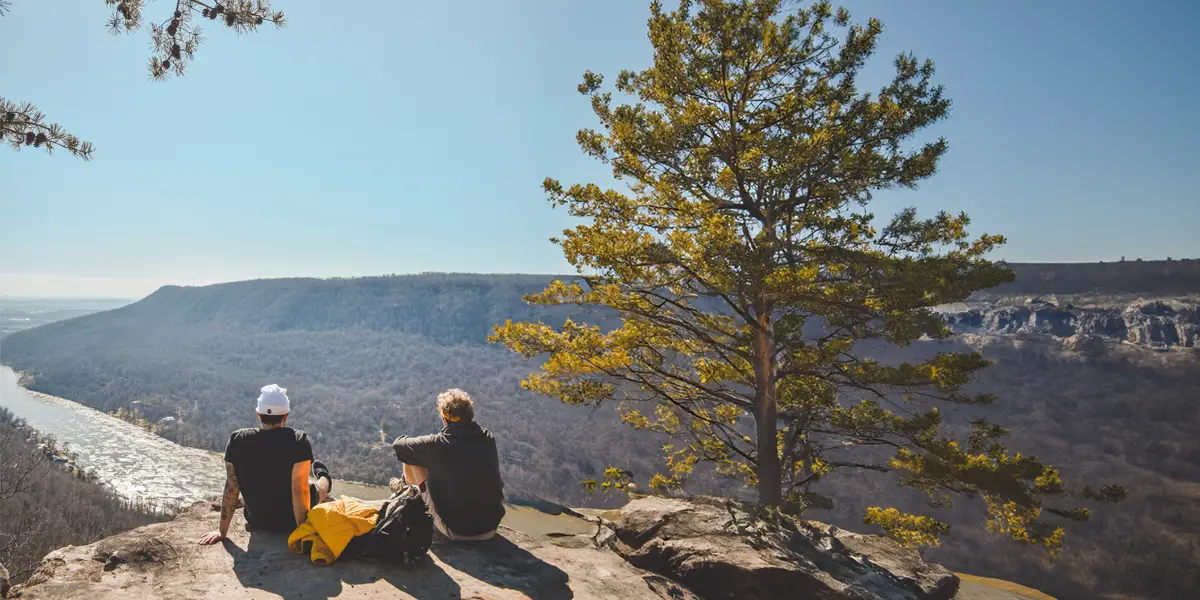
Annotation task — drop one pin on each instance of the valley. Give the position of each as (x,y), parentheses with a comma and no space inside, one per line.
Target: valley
(365,356)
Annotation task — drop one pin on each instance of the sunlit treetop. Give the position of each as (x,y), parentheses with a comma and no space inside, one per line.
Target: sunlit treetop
(755,287)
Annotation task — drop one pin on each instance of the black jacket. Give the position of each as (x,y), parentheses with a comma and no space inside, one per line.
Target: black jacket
(464,475)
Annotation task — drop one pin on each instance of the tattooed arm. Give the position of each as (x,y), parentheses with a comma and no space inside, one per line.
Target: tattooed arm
(228,502)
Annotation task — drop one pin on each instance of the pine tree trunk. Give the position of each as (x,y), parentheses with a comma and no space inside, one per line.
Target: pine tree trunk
(766,422)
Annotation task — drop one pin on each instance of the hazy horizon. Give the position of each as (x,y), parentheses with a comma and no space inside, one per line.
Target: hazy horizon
(55,287)
(12,298)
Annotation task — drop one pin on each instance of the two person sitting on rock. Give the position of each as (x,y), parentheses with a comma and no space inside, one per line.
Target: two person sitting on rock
(269,466)
(457,471)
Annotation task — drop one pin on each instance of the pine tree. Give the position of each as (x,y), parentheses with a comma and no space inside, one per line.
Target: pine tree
(750,276)
(174,42)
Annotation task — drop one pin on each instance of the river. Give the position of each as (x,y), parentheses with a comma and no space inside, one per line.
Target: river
(136,463)
(140,465)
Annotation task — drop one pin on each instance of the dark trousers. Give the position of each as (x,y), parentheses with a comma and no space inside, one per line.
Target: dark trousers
(313,496)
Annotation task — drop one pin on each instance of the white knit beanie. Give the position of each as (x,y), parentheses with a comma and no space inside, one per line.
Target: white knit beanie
(273,401)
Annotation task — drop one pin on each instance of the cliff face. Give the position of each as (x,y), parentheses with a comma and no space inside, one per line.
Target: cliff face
(1156,324)
(652,548)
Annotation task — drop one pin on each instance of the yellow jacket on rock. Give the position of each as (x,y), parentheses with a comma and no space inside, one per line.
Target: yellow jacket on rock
(330,527)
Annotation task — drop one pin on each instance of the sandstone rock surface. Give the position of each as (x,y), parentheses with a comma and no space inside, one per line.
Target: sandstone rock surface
(718,549)
(163,561)
(653,548)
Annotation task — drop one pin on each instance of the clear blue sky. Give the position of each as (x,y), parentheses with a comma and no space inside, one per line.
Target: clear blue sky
(394,136)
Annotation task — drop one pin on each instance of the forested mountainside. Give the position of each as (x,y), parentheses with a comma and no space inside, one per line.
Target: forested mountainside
(364,358)
(1129,416)
(1148,277)
(447,308)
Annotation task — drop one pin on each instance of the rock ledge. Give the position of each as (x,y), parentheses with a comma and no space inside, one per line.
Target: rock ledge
(652,548)
(720,549)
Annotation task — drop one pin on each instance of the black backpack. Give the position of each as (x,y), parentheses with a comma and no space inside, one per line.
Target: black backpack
(403,531)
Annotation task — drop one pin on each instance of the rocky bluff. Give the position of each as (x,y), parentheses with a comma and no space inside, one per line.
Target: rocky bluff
(1155,324)
(672,549)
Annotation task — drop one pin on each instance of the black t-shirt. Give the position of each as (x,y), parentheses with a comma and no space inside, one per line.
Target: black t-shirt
(464,475)
(262,460)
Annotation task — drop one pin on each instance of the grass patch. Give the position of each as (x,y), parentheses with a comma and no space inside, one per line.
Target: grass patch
(1006,586)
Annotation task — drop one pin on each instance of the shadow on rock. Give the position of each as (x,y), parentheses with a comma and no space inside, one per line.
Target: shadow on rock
(262,566)
(501,563)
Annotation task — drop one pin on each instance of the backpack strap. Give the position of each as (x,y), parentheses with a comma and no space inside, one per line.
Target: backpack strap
(382,517)
(390,511)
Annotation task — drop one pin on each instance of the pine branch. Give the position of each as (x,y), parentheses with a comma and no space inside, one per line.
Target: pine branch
(174,41)
(176,38)
(22,125)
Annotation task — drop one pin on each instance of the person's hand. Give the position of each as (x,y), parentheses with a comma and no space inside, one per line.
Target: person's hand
(211,538)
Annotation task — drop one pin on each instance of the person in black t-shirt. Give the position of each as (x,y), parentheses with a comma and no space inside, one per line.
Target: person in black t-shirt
(269,467)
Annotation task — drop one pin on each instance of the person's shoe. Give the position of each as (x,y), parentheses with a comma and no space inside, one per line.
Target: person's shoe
(319,471)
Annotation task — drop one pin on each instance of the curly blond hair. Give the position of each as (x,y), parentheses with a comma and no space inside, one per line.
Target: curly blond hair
(456,406)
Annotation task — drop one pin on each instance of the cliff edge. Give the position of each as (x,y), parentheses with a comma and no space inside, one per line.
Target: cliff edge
(652,548)
(1160,324)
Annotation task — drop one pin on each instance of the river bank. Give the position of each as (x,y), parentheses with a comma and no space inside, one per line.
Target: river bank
(135,463)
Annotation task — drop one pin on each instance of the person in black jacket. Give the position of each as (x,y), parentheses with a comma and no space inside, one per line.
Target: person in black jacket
(458,471)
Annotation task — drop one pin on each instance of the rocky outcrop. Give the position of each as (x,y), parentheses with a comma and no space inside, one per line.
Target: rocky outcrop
(1156,324)
(720,549)
(652,548)
(163,561)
